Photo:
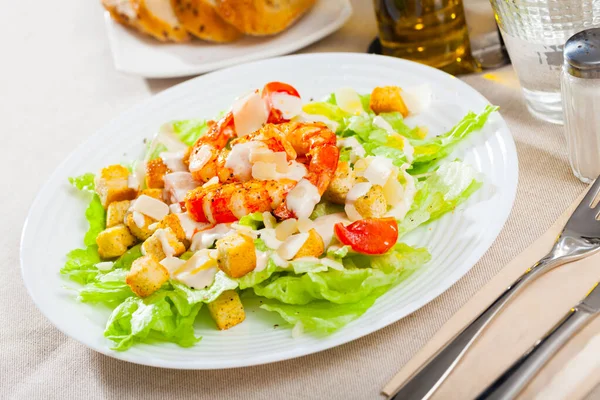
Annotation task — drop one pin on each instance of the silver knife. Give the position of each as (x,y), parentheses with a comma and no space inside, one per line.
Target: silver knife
(518,375)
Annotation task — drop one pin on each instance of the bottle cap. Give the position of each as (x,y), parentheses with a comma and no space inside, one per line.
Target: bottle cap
(582,54)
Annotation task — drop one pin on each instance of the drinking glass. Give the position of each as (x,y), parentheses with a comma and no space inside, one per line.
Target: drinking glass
(432,32)
(534,32)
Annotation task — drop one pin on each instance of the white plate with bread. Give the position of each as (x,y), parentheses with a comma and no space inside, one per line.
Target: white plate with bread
(174,38)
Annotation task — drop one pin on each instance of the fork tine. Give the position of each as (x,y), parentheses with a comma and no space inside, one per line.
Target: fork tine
(588,200)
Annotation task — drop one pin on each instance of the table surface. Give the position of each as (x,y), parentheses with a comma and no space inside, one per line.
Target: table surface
(58,86)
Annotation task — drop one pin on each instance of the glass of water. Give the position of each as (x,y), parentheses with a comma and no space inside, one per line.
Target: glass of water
(535,32)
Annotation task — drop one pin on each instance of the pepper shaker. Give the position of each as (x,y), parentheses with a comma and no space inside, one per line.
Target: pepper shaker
(580,86)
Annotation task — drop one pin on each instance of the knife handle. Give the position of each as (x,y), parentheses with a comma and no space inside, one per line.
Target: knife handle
(518,375)
(426,380)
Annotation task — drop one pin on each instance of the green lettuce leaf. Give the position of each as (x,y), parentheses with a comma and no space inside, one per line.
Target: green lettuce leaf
(322,316)
(254,220)
(428,151)
(129,257)
(167,315)
(83,182)
(255,277)
(96,217)
(80,264)
(326,208)
(326,109)
(396,120)
(109,288)
(363,275)
(440,193)
(221,283)
(189,130)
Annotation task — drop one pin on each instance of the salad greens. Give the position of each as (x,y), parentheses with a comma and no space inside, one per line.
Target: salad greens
(309,294)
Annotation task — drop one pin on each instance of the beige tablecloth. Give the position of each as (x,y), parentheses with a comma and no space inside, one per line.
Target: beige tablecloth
(58,85)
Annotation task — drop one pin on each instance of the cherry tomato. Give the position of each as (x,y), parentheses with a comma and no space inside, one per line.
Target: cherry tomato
(275,115)
(369,236)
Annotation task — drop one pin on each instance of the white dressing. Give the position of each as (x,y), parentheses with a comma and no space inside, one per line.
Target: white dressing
(303,198)
(349,101)
(189,226)
(279,158)
(105,266)
(249,113)
(138,219)
(167,138)
(324,226)
(305,225)
(357,151)
(151,207)
(206,238)
(175,208)
(238,159)
(290,247)
(161,235)
(178,184)
(379,170)
(212,181)
(289,105)
(262,260)
(172,264)
(174,160)
(270,238)
(409,190)
(280,262)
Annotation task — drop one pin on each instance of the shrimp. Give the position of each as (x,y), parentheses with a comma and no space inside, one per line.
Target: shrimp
(228,203)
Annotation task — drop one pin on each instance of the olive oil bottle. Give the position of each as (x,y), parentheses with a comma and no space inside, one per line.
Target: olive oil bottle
(432,32)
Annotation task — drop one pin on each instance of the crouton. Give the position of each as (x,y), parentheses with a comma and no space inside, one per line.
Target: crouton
(161,244)
(116,211)
(388,99)
(172,221)
(227,310)
(112,185)
(141,232)
(372,204)
(236,255)
(154,193)
(313,247)
(146,276)
(341,183)
(114,241)
(155,173)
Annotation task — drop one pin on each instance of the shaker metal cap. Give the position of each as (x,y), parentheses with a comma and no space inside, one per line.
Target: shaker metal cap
(582,54)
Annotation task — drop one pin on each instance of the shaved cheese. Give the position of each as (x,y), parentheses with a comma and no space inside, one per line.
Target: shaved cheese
(172,264)
(249,113)
(290,106)
(296,171)
(324,226)
(417,98)
(262,259)
(409,190)
(305,225)
(292,245)
(206,238)
(379,170)
(352,212)
(105,266)
(332,264)
(244,230)
(392,191)
(201,158)
(151,207)
(280,262)
(264,171)
(238,159)
(303,198)
(174,160)
(268,236)
(286,228)
(349,101)
(269,220)
(138,219)
(304,117)
(357,151)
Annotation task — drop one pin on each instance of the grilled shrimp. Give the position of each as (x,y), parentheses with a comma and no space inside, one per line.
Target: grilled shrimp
(229,202)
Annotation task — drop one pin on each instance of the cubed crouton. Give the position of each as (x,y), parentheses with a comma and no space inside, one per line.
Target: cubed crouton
(388,99)
(341,183)
(112,185)
(372,204)
(236,255)
(155,173)
(146,276)
(313,247)
(172,221)
(114,241)
(227,310)
(161,244)
(154,193)
(116,211)
(140,231)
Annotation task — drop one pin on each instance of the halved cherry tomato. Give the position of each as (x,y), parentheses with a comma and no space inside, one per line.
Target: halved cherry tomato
(275,115)
(369,236)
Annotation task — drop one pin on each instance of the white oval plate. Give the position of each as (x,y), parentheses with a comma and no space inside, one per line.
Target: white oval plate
(142,55)
(56,221)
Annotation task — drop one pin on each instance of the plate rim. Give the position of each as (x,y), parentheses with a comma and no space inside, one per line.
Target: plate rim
(510,194)
(287,48)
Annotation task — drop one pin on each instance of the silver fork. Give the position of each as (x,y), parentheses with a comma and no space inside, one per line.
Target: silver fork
(580,238)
